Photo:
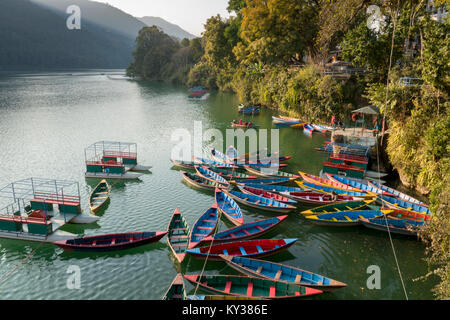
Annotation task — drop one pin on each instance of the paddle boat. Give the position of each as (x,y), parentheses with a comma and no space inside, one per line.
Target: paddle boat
(339,206)
(231,174)
(269,172)
(277,180)
(356,185)
(272,188)
(318,197)
(229,207)
(395,203)
(345,218)
(266,194)
(178,235)
(200,182)
(204,226)
(243,124)
(397,226)
(326,182)
(211,176)
(99,196)
(330,190)
(397,193)
(260,202)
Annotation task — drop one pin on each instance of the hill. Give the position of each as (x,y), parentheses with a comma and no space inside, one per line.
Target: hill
(169,28)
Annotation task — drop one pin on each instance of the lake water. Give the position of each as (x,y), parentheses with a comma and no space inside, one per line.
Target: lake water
(46,121)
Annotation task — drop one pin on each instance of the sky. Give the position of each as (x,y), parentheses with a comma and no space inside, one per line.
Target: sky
(191,15)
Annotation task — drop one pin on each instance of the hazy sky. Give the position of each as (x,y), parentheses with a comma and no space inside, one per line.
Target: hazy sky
(190,15)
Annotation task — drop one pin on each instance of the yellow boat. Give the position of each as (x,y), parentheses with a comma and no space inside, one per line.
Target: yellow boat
(99,196)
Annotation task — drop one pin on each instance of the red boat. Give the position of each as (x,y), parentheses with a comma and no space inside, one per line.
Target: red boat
(266,194)
(317,197)
(111,242)
(249,248)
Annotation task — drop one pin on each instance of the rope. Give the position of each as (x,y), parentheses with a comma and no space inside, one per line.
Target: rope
(6,277)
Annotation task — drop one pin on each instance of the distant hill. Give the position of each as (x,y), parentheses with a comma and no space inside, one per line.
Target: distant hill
(35,37)
(169,28)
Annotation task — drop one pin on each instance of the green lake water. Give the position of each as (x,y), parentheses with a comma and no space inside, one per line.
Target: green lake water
(46,121)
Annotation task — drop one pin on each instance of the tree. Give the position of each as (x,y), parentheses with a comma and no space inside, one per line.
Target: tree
(218,48)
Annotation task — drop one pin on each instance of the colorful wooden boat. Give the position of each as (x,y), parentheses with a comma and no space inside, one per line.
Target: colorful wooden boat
(404,214)
(270,173)
(176,290)
(211,176)
(397,193)
(243,124)
(215,164)
(279,272)
(183,164)
(397,226)
(217,297)
(262,203)
(356,185)
(248,248)
(242,286)
(267,164)
(273,188)
(285,119)
(308,129)
(99,196)
(205,225)
(330,190)
(278,180)
(200,182)
(246,231)
(266,194)
(231,174)
(322,128)
(345,218)
(340,206)
(229,207)
(318,197)
(178,235)
(249,109)
(395,203)
(110,242)
(326,182)
(220,156)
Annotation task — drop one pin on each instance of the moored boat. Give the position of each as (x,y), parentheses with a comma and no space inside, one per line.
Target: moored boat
(397,193)
(242,286)
(273,188)
(276,180)
(356,185)
(397,226)
(248,248)
(178,235)
(345,218)
(204,226)
(243,124)
(232,174)
(318,197)
(279,272)
(269,172)
(183,164)
(229,207)
(337,191)
(212,163)
(200,182)
(267,194)
(326,182)
(396,203)
(211,176)
(246,231)
(176,289)
(338,207)
(110,242)
(99,196)
(262,203)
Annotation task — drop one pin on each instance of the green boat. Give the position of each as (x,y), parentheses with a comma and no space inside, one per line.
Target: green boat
(242,286)
(339,206)
(176,290)
(99,196)
(178,235)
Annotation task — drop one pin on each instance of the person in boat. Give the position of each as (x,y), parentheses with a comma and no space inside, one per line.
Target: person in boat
(333,121)
(240,121)
(334,196)
(249,124)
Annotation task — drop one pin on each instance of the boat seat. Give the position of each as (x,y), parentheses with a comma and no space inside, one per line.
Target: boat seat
(259,269)
(113,241)
(213,221)
(259,249)
(179,237)
(242,250)
(246,232)
(207,228)
(272,292)
(179,245)
(278,275)
(227,287)
(199,235)
(225,251)
(94,243)
(96,198)
(250,289)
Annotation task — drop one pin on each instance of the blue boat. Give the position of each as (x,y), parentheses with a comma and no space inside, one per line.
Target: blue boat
(283,273)
(211,176)
(396,193)
(330,190)
(279,180)
(398,226)
(246,231)
(220,156)
(401,204)
(204,226)
(272,188)
(229,207)
(355,184)
(249,109)
(308,129)
(345,218)
(213,163)
(260,202)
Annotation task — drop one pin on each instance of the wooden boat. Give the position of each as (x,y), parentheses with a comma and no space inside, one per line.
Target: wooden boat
(110,242)
(211,176)
(178,235)
(397,226)
(308,129)
(220,156)
(199,182)
(217,297)
(243,124)
(242,286)
(260,202)
(345,218)
(231,174)
(176,290)
(266,194)
(279,272)
(246,231)
(204,226)
(99,196)
(318,197)
(277,180)
(330,190)
(326,182)
(183,164)
(248,248)
(409,215)
(215,164)
(229,207)
(397,193)
(339,206)
(321,128)
(285,119)
(273,188)
(395,203)
(249,109)
(356,185)
(270,173)
(285,124)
